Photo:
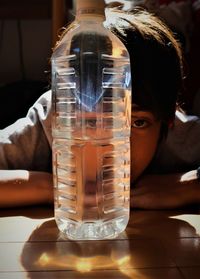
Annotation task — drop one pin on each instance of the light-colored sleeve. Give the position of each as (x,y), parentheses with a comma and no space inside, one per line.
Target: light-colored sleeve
(26,144)
(181,150)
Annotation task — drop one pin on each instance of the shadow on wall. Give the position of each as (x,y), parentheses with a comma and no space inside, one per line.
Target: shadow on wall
(16,99)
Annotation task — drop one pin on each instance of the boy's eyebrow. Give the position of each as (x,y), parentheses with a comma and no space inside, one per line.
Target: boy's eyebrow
(137,108)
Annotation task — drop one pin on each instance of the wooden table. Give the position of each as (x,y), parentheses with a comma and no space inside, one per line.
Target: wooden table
(156,245)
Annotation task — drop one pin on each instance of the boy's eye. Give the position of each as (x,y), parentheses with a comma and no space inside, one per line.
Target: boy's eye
(140,123)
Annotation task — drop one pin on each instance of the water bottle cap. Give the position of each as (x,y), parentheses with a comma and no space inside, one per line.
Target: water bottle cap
(90,7)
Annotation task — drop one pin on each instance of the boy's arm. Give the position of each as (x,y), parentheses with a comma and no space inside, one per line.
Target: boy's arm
(21,188)
(26,144)
(166,191)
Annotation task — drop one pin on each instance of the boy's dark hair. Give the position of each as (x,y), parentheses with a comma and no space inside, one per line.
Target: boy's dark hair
(156,61)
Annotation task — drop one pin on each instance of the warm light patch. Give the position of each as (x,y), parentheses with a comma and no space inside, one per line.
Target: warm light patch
(123,260)
(117,52)
(44,259)
(83,265)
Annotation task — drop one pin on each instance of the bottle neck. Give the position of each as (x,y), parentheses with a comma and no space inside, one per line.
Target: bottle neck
(90,9)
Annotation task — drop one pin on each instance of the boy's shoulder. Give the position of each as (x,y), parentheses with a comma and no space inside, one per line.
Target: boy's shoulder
(45,98)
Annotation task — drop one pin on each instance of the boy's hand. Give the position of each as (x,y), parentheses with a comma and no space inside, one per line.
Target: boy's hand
(166,191)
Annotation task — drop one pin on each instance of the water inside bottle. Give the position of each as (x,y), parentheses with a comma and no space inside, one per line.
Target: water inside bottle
(92,193)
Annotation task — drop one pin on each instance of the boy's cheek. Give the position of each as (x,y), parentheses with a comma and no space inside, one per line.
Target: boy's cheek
(144,143)
(142,152)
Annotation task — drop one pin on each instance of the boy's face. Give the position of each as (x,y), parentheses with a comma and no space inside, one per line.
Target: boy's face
(145,133)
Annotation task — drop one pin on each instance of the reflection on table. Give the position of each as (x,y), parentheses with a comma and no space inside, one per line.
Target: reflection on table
(156,244)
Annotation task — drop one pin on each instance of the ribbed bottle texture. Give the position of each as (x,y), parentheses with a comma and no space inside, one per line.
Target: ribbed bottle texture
(91,92)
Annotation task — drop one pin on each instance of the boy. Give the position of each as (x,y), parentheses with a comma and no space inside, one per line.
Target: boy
(162,177)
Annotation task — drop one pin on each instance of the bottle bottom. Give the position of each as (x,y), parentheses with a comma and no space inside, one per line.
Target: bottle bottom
(97,230)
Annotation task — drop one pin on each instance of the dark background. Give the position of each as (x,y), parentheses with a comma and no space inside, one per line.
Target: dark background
(28,31)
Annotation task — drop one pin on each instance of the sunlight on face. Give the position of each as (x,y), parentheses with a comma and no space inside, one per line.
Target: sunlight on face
(145,133)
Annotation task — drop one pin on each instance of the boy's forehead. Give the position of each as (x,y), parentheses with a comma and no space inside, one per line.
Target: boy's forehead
(136,107)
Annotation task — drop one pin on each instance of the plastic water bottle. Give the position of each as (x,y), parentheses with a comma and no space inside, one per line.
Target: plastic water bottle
(91,91)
